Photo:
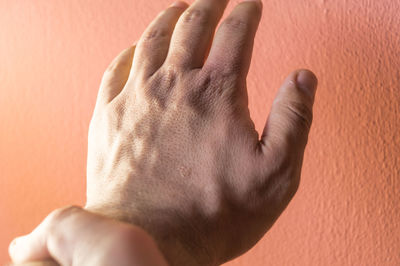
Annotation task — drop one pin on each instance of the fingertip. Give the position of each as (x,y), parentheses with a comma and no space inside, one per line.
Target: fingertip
(307,81)
(11,247)
(17,249)
(180,4)
(258,2)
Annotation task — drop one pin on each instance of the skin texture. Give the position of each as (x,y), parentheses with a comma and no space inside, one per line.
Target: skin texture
(73,236)
(172,147)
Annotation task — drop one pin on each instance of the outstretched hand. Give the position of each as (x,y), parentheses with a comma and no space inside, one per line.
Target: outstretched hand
(172,148)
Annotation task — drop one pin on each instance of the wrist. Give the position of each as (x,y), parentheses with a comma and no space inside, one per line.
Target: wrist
(174,247)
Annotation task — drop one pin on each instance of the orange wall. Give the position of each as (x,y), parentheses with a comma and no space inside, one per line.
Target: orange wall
(346,211)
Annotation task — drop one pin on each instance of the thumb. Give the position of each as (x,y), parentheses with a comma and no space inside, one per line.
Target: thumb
(291,115)
(73,236)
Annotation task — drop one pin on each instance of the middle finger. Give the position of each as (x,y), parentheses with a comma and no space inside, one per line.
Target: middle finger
(193,33)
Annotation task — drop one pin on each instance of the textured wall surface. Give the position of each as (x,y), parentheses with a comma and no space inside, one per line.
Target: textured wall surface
(346,211)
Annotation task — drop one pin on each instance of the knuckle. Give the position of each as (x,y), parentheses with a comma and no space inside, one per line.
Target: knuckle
(60,214)
(54,223)
(161,86)
(234,23)
(196,15)
(113,118)
(167,78)
(301,113)
(202,96)
(230,72)
(155,33)
(212,93)
(223,72)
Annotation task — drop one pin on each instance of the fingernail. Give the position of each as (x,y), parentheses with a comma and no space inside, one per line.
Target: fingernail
(179,4)
(307,81)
